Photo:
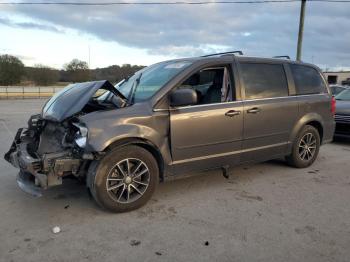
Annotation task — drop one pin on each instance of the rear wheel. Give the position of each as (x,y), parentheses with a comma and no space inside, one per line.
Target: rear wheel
(124,179)
(305,148)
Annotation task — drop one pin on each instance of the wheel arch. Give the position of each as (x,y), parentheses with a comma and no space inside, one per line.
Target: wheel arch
(144,143)
(312,119)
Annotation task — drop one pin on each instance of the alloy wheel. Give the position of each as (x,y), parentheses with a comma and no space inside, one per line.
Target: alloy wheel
(307,147)
(128,180)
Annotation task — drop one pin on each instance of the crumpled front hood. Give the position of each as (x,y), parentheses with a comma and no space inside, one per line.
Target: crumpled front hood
(342,107)
(72,99)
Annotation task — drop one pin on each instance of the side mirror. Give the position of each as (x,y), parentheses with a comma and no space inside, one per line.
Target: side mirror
(183,97)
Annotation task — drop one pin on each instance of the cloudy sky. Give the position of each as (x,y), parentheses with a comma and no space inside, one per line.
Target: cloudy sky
(144,34)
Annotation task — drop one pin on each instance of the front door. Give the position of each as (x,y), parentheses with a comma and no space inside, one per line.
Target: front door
(209,134)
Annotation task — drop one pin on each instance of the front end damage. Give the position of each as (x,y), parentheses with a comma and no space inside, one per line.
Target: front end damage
(52,147)
(45,153)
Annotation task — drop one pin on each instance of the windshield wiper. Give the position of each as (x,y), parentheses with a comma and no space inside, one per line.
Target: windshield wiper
(133,89)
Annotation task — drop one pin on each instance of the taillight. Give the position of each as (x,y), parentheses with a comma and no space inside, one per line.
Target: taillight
(333,103)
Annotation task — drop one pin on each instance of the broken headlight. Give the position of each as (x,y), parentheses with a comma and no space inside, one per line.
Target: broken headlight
(81,135)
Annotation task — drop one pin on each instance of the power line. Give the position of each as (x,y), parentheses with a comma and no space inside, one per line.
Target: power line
(169,3)
(150,3)
(330,1)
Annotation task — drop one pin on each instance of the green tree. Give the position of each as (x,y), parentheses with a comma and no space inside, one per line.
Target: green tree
(11,70)
(78,71)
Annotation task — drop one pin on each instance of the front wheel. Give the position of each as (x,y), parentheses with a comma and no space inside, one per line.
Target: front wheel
(124,179)
(305,148)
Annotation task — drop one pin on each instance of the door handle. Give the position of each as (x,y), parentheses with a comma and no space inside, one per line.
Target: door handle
(254,110)
(232,113)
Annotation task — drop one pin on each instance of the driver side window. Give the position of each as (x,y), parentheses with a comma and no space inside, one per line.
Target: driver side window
(212,85)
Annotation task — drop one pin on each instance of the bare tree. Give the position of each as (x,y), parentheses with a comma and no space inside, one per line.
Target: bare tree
(78,71)
(43,75)
(114,73)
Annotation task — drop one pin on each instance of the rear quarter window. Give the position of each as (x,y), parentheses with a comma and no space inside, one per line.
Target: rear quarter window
(264,80)
(307,80)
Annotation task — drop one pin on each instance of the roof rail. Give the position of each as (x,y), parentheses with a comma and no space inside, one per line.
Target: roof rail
(225,53)
(282,56)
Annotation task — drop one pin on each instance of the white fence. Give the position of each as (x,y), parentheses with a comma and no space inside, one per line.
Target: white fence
(21,92)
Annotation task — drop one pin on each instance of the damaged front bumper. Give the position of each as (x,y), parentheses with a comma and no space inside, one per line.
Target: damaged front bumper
(39,172)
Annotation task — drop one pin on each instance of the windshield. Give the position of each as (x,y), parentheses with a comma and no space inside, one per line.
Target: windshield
(146,82)
(344,95)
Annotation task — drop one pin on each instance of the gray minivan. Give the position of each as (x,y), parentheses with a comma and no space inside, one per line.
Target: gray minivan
(173,117)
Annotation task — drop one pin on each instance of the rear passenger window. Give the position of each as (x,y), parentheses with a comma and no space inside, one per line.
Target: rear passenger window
(307,80)
(264,80)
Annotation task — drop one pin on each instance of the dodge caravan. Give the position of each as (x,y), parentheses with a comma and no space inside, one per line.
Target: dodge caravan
(171,118)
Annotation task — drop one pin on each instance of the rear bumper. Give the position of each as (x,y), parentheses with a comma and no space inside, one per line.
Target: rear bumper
(342,129)
(328,132)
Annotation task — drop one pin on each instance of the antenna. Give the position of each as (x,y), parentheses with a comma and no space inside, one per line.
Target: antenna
(89,57)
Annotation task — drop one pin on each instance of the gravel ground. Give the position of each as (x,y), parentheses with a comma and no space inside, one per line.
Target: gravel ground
(265,212)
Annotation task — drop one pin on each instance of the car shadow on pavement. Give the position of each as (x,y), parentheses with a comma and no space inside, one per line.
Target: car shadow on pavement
(73,199)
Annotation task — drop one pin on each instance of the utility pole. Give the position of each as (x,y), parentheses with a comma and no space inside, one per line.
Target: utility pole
(301,29)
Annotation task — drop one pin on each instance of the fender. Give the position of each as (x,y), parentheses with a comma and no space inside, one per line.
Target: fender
(149,146)
(300,123)
(111,128)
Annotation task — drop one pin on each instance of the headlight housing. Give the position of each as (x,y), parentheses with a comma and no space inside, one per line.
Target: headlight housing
(81,135)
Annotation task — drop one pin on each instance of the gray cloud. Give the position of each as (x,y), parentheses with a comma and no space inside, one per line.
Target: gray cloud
(262,30)
(29,25)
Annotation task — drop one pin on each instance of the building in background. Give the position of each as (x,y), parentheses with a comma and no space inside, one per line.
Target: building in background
(338,78)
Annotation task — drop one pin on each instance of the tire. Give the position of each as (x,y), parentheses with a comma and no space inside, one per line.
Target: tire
(298,158)
(124,179)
